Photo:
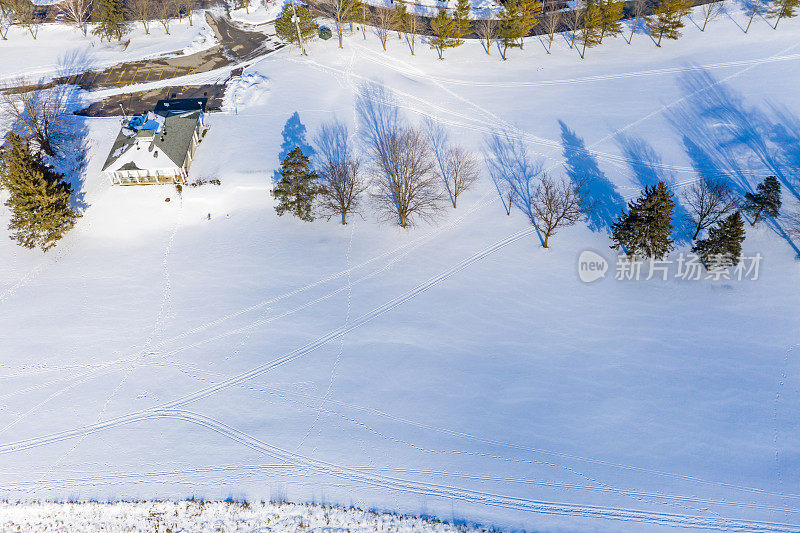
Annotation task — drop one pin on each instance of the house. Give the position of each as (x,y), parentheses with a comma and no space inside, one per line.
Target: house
(157,147)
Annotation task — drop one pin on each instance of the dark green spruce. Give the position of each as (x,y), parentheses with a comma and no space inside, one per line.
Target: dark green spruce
(39,198)
(723,247)
(765,202)
(644,231)
(297,188)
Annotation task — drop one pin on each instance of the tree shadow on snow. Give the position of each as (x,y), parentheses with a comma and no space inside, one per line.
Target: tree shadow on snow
(294,136)
(606,203)
(726,139)
(648,169)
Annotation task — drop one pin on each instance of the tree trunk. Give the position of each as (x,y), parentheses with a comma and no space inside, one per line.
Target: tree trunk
(546,237)
(696,233)
(633,30)
(344,218)
(660,35)
(775,27)
(752,14)
(339,30)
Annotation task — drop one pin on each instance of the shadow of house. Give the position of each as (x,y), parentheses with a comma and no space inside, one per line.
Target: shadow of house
(648,170)
(603,202)
(294,136)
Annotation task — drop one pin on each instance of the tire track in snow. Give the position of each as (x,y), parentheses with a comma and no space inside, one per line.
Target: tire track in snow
(291,356)
(449,492)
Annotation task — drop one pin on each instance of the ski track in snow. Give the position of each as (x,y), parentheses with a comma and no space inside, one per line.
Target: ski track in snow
(170,409)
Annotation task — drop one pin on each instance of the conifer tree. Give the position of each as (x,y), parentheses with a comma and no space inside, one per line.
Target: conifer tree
(529,17)
(109,17)
(723,247)
(39,198)
(297,188)
(296,25)
(511,30)
(667,19)
(644,231)
(462,20)
(400,18)
(610,17)
(444,33)
(592,27)
(765,202)
(783,9)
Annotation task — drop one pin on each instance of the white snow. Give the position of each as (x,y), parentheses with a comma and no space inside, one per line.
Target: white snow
(202,516)
(456,369)
(250,89)
(259,12)
(62,49)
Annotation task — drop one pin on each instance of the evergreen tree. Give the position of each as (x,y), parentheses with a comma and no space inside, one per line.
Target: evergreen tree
(400,17)
(109,17)
(297,188)
(783,9)
(644,231)
(723,247)
(296,25)
(38,197)
(667,19)
(610,17)
(511,30)
(462,20)
(529,11)
(444,33)
(765,202)
(592,27)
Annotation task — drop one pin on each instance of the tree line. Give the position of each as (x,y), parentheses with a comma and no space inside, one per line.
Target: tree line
(407,173)
(111,18)
(588,23)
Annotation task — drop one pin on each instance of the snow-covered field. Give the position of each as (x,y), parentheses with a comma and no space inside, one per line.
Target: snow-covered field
(62,49)
(207,516)
(456,369)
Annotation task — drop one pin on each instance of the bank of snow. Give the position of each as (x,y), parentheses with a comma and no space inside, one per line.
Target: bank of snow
(209,516)
(454,369)
(62,49)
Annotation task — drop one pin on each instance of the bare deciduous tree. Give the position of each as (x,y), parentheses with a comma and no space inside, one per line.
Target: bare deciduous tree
(342,183)
(24,13)
(340,11)
(141,10)
(556,203)
(708,201)
(78,12)
(711,11)
(755,7)
(406,186)
(486,29)
(637,11)
(382,18)
(413,23)
(457,168)
(165,13)
(574,19)
(551,25)
(42,115)
(793,224)
(6,20)
(511,170)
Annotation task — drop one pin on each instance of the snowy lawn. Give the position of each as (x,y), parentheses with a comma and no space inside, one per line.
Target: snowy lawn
(455,369)
(62,49)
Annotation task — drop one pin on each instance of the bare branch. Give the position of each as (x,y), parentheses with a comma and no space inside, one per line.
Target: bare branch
(342,183)
(707,201)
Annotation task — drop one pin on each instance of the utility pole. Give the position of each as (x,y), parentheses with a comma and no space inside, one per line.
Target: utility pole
(297,26)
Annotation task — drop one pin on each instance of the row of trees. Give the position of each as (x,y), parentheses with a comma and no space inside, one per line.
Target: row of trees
(111,17)
(645,230)
(407,173)
(589,22)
